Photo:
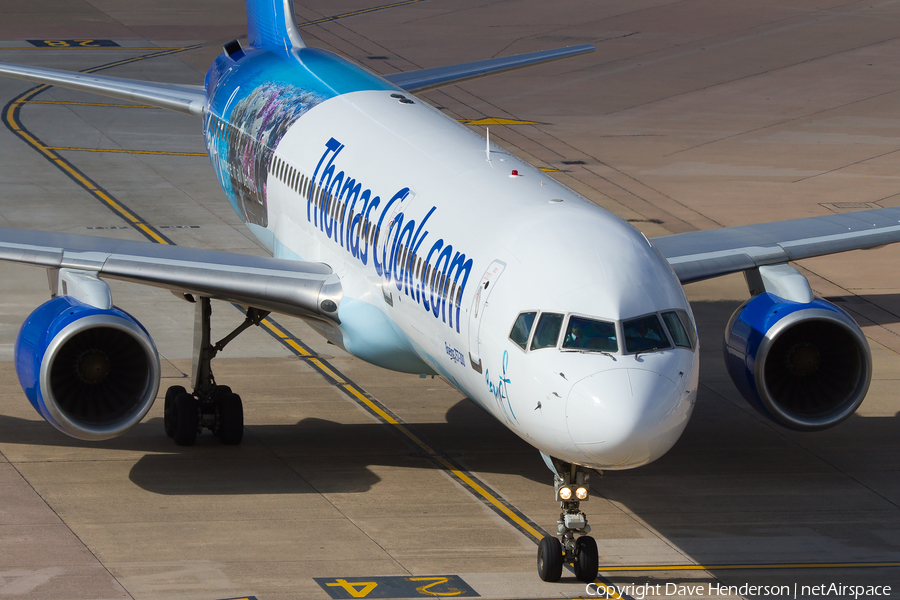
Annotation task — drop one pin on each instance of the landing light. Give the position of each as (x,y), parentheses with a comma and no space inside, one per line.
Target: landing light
(567,493)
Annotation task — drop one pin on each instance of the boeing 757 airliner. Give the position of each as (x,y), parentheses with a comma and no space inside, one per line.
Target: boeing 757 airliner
(567,324)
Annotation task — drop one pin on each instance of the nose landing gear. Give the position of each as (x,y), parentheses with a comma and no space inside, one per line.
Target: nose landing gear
(572,485)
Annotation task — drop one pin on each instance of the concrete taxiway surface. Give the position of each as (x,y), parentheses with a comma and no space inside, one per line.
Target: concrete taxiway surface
(691,115)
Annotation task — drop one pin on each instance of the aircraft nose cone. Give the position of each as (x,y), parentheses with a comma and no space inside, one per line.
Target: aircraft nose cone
(623,418)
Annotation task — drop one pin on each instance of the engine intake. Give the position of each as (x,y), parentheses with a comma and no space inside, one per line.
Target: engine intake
(806,366)
(92,373)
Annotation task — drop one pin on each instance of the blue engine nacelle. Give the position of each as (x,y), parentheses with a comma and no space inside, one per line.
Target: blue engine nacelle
(91,373)
(805,366)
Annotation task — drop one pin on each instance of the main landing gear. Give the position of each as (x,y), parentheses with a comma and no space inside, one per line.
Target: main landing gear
(572,486)
(212,406)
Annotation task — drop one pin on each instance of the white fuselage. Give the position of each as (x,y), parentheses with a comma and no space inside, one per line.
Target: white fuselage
(458,209)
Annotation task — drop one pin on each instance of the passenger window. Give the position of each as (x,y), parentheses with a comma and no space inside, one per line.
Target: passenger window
(590,335)
(676,328)
(522,329)
(547,333)
(645,334)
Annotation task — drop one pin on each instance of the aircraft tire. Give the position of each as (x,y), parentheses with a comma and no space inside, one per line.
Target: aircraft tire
(218,392)
(587,559)
(231,419)
(550,559)
(187,419)
(169,416)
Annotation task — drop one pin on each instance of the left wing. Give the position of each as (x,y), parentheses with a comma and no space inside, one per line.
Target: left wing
(302,289)
(699,255)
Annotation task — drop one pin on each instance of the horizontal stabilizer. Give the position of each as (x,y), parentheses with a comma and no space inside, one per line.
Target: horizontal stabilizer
(428,79)
(182,98)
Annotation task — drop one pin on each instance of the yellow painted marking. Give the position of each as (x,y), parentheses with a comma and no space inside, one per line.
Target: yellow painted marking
(495,121)
(435,581)
(297,347)
(749,567)
(610,591)
(99,47)
(50,152)
(124,151)
(87,104)
(66,44)
(549,170)
(47,151)
(358,12)
(362,592)
(282,335)
(149,231)
(444,462)
(324,368)
(490,498)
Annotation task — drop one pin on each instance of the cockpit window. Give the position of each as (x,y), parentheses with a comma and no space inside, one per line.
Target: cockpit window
(689,326)
(645,333)
(676,328)
(522,329)
(547,333)
(590,335)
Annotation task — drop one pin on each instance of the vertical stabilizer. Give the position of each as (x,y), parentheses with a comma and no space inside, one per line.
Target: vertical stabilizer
(271,25)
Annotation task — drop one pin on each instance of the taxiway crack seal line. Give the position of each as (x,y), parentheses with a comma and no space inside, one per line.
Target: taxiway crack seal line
(357,12)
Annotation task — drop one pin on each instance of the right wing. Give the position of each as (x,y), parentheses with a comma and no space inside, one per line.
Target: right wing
(302,289)
(182,98)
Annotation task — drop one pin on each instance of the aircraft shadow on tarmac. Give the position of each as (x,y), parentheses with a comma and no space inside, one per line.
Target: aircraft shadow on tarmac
(311,456)
(732,475)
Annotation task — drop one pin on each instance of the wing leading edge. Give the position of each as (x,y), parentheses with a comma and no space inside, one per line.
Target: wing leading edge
(182,98)
(302,289)
(428,79)
(699,255)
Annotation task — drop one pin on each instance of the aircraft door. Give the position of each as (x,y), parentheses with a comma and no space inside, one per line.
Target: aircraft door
(479,305)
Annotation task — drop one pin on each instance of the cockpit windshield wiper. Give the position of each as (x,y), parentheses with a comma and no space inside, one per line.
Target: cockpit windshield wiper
(586,351)
(645,350)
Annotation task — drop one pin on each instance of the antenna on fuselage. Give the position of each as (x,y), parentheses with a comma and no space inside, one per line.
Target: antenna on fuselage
(487,144)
